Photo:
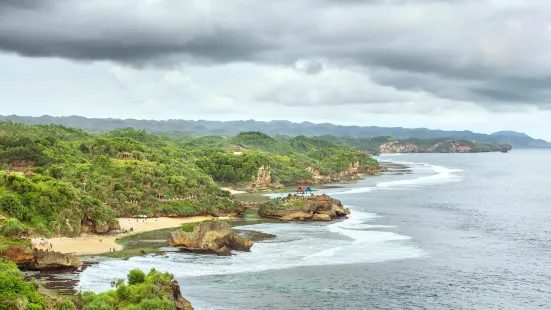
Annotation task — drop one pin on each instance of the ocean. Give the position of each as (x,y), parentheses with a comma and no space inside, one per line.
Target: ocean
(438,231)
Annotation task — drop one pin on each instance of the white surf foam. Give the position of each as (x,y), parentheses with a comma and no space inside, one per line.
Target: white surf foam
(437,175)
(297,244)
(430,175)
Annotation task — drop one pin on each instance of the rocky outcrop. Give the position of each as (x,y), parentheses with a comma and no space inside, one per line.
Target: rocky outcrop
(38,259)
(317,177)
(304,208)
(352,173)
(21,255)
(263,178)
(442,146)
(44,259)
(179,301)
(210,238)
(99,227)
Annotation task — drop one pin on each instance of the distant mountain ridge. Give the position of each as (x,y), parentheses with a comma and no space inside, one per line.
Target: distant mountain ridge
(273,128)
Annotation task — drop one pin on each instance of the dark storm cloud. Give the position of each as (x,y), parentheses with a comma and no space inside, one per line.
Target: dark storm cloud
(220,46)
(480,51)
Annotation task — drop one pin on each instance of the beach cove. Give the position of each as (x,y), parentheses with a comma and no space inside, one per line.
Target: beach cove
(93,244)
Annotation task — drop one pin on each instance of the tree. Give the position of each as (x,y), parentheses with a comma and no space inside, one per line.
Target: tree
(136,276)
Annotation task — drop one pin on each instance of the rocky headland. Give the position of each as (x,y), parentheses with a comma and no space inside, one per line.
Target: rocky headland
(303,208)
(209,238)
(440,146)
(263,180)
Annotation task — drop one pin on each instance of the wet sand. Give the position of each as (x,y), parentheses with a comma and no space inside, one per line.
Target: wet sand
(97,244)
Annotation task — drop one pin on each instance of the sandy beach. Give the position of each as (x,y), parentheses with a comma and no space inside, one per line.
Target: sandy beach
(97,244)
(233,191)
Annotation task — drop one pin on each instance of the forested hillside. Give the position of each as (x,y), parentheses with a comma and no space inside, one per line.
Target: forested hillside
(57,179)
(274,128)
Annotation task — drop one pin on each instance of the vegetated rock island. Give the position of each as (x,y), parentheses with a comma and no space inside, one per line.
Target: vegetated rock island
(209,238)
(303,208)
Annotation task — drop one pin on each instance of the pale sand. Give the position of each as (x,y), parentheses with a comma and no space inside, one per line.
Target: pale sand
(97,244)
(233,191)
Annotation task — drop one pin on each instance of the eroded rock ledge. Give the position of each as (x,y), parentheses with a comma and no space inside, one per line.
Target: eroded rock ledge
(210,238)
(40,259)
(304,208)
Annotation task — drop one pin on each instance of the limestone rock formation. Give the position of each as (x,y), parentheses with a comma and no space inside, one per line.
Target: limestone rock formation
(352,173)
(99,227)
(263,178)
(210,237)
(43,260)
(304,208)
(442,146)
(18,254)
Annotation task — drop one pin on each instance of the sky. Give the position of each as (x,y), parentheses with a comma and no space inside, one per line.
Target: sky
(480,65)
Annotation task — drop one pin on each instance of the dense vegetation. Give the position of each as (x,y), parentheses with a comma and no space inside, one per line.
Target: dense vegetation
(15,293)
(63,180)
(56,179)
(141,291)
(287,157)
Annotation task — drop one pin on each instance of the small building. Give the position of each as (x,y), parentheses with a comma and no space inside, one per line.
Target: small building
(304,189)
(126,155)
(3,218)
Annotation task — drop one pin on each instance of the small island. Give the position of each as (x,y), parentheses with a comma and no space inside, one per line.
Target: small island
(303,208)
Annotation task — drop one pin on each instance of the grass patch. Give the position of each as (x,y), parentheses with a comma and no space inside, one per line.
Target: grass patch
(188,227)
(127,253)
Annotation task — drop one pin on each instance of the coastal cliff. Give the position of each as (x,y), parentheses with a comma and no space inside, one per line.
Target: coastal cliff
(353,172)
(264,180)
(440,146)
(303,208)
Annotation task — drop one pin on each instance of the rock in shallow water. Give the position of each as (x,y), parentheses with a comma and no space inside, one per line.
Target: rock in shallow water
(211,237)
(43,260)
(304,208)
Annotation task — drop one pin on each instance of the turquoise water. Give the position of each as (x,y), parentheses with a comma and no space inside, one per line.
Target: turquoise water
(453,231)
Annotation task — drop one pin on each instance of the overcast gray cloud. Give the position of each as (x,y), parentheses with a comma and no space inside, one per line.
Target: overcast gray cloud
(488,51)
(375,55)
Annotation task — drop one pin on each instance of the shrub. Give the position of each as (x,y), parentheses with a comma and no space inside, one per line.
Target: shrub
(66,304)
(156,304)
(12,228)
(159,278)
(12,205)
(188,227)
(136,276)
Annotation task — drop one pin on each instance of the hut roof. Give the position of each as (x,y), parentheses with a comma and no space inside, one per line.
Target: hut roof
(3,218)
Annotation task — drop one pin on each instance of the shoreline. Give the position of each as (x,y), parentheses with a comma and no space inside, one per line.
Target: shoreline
(94,244)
